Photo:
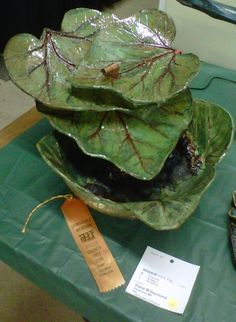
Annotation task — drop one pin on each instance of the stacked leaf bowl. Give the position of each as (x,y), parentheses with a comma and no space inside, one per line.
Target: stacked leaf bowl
(128,138)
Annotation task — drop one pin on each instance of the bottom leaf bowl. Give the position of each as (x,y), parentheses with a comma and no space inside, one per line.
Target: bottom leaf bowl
(164,202)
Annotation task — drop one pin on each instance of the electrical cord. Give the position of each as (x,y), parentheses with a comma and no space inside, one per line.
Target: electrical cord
(210,81)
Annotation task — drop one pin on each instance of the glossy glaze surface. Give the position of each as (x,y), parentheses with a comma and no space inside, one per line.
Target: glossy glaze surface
(131,142)
(171,201)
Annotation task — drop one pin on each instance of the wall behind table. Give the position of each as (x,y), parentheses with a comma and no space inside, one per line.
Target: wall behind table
(212,40)
(125,8)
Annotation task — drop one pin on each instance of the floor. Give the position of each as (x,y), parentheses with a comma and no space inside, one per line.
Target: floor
(13,102)
(20,300)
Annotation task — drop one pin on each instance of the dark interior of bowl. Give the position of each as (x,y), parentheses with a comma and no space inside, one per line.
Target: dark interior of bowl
(104,179)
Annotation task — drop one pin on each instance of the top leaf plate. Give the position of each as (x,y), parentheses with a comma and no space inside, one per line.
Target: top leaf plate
(145,66)
(136,61)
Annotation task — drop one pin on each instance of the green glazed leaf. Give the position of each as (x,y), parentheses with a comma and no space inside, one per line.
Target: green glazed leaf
(129,58)
(159,22)
(88,100)
(85,22)
(168,212)
(175,203)
(211,130)
(41,67)
(136,143)
(212,140)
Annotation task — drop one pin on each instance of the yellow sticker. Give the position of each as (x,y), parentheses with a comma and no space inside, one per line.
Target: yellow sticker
(173,303)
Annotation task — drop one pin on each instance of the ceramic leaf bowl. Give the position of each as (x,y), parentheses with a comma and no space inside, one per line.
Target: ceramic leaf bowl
(128,138)
(164,202)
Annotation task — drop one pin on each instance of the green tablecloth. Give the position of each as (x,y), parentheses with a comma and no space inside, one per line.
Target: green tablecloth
(48,256)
